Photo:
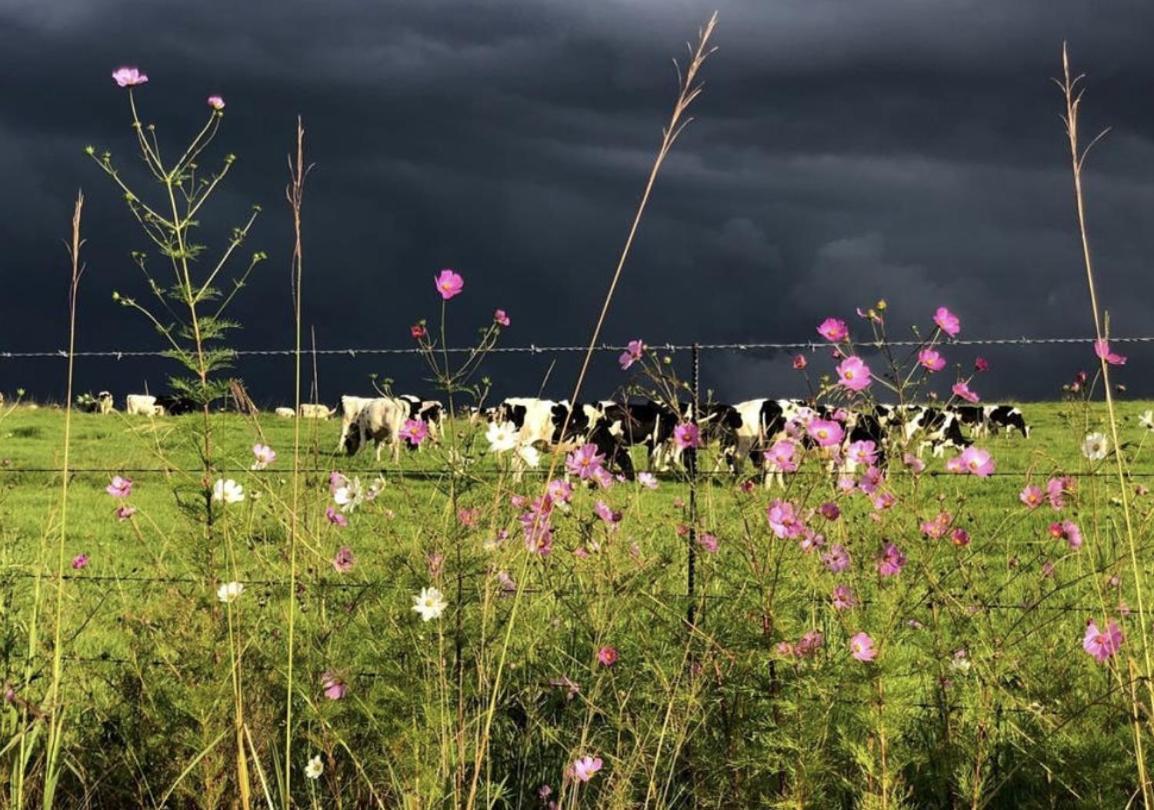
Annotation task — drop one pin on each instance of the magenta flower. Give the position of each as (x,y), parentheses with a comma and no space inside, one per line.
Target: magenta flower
(799,362)
(216,102)
(825,432)
(781,456)
(861,647)
(414,430)
(936,529)
(843,598)
(584,461)
(418,331)
(829,510)
(334,687)
(124,513)
(501,317)
(128,76)
(960,537)
(913,462)
(344,560)
(1067,530)
(1031,496)
(1057,489)
(892,561)
(931,360)
(809,643)
(1102,645)
(263,456)
(862,452)
(981,365)
(947,321)
(80,561)
(854,374)
(336,518)
(783,519)
(120,487)
(833,330)
(559,490)
(585,768)
(606,513)
(449,284)
(634,350)
(871,479)
(708,542)
(1102,349)
(977,461)
(647,480)
(607,656)
(837,559)
(686,436)
(468,517)
(963,391)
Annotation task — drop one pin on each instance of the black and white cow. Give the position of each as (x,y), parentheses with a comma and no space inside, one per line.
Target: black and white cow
(429,411)
(1008,419)
(938,428)
(375,419)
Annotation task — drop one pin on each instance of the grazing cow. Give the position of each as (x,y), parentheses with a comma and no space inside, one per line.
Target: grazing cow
(177,404)
(975,417)
(532,418)
(1008,418)
(938,428)
(104,402)
(285,413)
(644,423)
(428,411)
(312,410)
(101,403)
(380,420)
(762,420)
(142,405)
(588,424)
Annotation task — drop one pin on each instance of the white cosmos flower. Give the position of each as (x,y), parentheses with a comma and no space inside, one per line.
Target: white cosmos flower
(264,456)
(529,455)
(225,490)
(1095,447)
(1146,420)
(229,592)
(502,436)
(429,603)
(349,496)
(315,768)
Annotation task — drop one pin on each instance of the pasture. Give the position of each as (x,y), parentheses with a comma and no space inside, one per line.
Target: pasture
(980,693)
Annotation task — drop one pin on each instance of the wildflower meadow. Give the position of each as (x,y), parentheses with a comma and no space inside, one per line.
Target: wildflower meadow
(836,607)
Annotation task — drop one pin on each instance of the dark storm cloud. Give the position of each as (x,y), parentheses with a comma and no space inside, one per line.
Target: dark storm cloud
(842,152)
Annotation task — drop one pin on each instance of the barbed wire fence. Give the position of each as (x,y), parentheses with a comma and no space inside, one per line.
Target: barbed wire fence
(691,477)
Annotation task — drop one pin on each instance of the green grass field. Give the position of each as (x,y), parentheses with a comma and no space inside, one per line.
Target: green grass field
(710,716)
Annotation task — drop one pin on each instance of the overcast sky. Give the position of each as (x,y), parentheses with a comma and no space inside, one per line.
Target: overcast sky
(842,151)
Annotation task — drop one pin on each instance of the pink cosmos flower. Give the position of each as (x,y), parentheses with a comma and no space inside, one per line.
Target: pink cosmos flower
(871,479)
(884,500)
(892,561)
(954,465)
(931,360)
(913,462)
(584,461)
(120,487)
(336,481)
(862,452)
(960,537)
(603,477)
(825,432)
(1102,349)
(1057,489)
(606,513)
(854,374)
(799,362)
(833,330)
(559,490)
(334,687)
(449,284)
(811,540)
(418,331)
(344,560)
(414,430)
(585,768)
(263,455)
(936,529)
(469,517)
(810,643)
(829,510)
(861,647)
(607,656)
(947,321)
(686,435)
(977,461)
(634,350)
(1102,645)
(783,519)
(843,598)
(780,456)
(1031,496)
(124,513)
(963,391)
(647,480)
(708,542)
(216,102)
(128,76)
(981,365)
(336,518)
(1067,530)
(837,559)
(501,318)
(80,561)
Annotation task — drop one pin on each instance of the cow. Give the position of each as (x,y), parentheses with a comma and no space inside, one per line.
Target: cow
(142,405)
(379,420)
(428,411)
(1008,418)
(589,424)
(532,419)
(177,404)
(974,417)
(313,410)
(285,413)
(938,429)
(101,403)
(648,423)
